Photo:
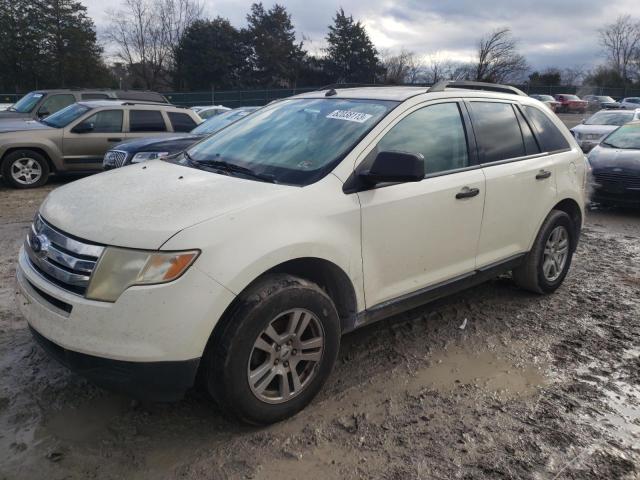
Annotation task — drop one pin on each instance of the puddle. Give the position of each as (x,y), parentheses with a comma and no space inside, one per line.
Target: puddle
(484,370)
(86,423)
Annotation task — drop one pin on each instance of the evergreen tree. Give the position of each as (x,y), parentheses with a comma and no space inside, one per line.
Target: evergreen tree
(351,56)
(274,55)
(210,54)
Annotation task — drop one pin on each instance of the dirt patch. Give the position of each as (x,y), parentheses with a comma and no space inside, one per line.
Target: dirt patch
(490,383)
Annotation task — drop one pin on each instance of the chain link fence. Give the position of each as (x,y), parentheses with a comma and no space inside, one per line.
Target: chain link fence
(243,98)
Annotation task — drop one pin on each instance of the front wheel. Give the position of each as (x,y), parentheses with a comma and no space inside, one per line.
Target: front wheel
(25,169)
(548,262)
(274,351)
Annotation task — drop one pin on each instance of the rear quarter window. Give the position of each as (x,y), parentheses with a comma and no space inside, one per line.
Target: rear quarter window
(181,122)
(549,136)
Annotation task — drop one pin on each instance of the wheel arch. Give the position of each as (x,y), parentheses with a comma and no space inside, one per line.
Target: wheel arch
(39,150)
(571,208)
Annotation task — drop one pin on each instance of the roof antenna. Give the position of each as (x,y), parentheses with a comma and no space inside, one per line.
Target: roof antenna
(331,93)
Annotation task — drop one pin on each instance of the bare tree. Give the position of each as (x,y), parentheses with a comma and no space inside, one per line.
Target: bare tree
(146,33)
(498,57)
(621,44)
(572,76)
(439,68)
(401,68)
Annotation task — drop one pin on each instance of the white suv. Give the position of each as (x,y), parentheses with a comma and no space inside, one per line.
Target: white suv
(245,258)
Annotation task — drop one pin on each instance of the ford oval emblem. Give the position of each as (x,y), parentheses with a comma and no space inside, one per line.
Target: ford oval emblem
(40,245)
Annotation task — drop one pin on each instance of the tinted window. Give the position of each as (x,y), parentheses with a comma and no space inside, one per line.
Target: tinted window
(436,132)
(146,121)
(530,144)
(497,131)
(95,96)
(181,122)
(55,102)
(106,121)
(549,137)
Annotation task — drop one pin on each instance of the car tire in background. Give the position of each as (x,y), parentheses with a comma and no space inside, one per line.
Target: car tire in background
(548,262)
(25,169)
(274,350)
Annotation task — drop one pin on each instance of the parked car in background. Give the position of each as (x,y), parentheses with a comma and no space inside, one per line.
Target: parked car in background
(615,165)
(76,138)
(209,111)
(571,103)
(152,148)
(548,100)
(243,260)
(599,102)
(4,106)
(630,103)
(592,130)
(42,103)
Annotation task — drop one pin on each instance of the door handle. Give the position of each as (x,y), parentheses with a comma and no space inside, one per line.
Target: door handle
(542,174)
(467,192)
(114,139)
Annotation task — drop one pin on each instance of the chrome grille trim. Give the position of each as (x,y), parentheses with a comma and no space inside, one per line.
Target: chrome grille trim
(115,158)
(65,261)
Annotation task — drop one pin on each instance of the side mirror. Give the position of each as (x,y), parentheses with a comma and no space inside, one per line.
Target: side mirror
(83,128)
(43,112)
(394,167)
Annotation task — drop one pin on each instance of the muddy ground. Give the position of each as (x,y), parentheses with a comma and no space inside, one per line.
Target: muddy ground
(533,387)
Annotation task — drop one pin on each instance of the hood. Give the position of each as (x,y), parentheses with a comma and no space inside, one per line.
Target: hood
(21,124)
(169,143)
(597,129)
(142,206)
(8,114)
(602,158)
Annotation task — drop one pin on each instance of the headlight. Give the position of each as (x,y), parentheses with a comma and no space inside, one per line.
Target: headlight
(144,156)
(121,268)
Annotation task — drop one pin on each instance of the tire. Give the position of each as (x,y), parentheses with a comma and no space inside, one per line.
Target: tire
(531,275)
(36,169)
(232,355)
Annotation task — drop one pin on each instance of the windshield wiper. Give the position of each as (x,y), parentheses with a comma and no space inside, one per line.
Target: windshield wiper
(232,168)
(608,144)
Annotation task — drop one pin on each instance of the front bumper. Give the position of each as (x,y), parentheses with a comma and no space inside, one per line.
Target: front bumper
(152,381)
(162,328)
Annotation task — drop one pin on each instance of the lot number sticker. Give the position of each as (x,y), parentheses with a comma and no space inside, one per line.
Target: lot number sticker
(349,116)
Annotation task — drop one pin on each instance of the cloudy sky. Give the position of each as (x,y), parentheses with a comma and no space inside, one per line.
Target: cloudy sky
(560,33)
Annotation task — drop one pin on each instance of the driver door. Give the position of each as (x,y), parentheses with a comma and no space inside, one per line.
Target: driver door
(86,141)
(420,234)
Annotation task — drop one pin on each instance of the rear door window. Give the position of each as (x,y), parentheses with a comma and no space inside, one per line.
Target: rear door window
(549,136)
(181,122)
(146,121)
(497,131)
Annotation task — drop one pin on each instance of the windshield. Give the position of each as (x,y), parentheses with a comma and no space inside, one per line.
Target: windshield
(27,103)
(610,118)
(64,117)
(294,141)
(218,122)
(627,137)
(605,99)
(545,98)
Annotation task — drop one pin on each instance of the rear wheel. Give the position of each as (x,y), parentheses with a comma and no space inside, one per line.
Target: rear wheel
(274,351)
(25,169)
(548,262)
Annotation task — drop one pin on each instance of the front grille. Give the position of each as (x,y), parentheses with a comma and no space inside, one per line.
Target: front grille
(115,158)
(60,258)
(624,180)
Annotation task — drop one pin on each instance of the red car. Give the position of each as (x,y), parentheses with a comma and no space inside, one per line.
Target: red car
(571,103)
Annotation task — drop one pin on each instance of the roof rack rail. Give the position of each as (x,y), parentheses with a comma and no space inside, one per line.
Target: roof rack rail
(491,87)
(142,102)
(348,85)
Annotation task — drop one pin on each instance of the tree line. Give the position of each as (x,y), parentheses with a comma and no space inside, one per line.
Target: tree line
(170,45)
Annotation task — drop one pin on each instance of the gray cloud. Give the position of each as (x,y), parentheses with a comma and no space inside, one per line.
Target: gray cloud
(559,33)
